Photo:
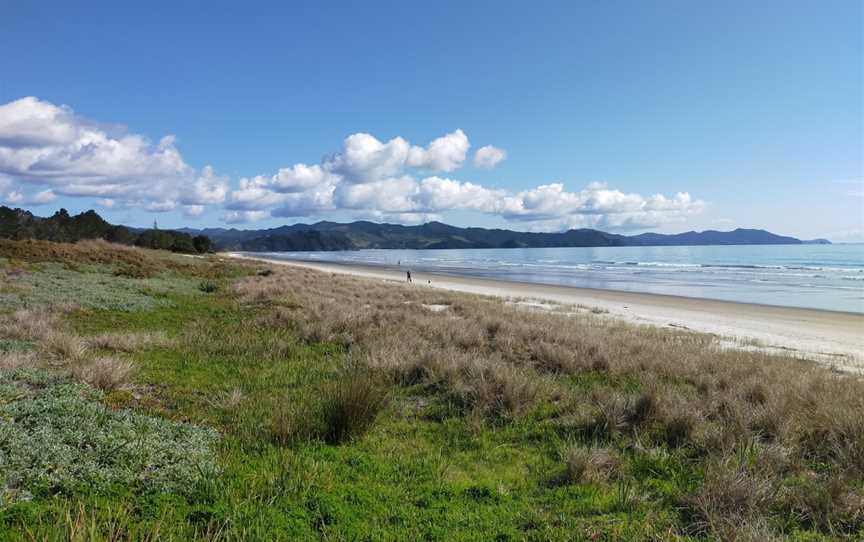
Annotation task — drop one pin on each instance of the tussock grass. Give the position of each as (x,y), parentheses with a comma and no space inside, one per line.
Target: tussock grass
(104,373)
(340,411)
(586,465)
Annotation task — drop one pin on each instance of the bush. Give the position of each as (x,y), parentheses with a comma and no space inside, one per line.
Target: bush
(208,286)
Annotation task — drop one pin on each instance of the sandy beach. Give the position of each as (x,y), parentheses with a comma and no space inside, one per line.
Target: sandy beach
(831,338)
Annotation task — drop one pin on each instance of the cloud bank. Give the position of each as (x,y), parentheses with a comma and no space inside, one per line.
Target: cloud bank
(48,151)
(379,180)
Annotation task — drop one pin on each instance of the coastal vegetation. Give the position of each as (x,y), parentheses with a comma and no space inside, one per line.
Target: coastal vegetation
(20,224)
(148,395)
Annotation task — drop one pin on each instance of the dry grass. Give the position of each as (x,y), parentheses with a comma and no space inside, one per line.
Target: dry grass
(127,261)
(65,346)
(104,373)
(587,464)
(499,361)
(29,324)
(18,360)
(130,261)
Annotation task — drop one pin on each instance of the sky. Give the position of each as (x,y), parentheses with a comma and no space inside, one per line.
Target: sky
(625,116)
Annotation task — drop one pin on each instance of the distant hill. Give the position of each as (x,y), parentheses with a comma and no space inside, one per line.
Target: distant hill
(435,235)
(63,227)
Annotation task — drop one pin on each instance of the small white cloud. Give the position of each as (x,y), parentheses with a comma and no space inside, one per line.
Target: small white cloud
(241,217)
(106,202)
(193,211)
(446,153)
(488,157)
(43,197)
(13,198)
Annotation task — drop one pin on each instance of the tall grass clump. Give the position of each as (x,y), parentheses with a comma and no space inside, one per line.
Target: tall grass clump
(338,412)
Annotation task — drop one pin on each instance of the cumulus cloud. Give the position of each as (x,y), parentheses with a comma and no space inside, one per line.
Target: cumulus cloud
(488,157)
(50,146)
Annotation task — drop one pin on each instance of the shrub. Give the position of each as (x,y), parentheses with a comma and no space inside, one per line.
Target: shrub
(208,286)
(59,437)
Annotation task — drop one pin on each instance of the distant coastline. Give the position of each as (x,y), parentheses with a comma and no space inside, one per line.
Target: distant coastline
(331,236)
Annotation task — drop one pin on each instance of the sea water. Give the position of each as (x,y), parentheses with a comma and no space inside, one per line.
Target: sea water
(829,277)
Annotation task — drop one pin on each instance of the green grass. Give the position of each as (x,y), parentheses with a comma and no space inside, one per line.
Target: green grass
(423,468)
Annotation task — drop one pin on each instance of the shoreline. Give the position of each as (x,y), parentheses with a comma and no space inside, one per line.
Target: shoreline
(830,338)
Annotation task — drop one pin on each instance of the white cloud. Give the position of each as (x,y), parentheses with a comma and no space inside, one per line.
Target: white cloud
(393,195)
(363,158)
(193,211)
(242,217)
(13,197)
(374,179)
(49,145)
(489,156)
(446,153)
(43,197)
(551,207)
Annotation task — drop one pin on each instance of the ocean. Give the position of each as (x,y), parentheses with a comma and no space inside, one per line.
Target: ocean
(829,277)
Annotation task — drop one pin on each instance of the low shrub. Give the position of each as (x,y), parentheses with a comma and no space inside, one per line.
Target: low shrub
(208,286)
(58,437)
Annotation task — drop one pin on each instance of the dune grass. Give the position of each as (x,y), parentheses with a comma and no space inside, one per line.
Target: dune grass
(346,409)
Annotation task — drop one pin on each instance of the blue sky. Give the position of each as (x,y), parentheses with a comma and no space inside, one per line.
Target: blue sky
(625,116)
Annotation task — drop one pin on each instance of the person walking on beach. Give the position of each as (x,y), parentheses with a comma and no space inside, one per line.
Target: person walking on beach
(409,275)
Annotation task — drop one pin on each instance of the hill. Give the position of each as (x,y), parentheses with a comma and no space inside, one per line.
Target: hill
(20,224)
(435,235)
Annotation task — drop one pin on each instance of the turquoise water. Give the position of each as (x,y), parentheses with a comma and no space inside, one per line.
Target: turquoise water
(827,277)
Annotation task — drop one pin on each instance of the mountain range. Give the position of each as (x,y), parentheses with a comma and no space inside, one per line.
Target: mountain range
(22,224)
(435,235)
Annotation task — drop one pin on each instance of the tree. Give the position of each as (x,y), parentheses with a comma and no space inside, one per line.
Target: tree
(201,243)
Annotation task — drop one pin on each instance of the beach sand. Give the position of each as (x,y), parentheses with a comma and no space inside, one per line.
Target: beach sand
(831,338)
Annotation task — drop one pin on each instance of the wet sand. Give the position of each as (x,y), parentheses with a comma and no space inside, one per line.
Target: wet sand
(827,337)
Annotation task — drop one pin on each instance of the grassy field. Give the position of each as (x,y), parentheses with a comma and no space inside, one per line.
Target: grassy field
(150,396)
